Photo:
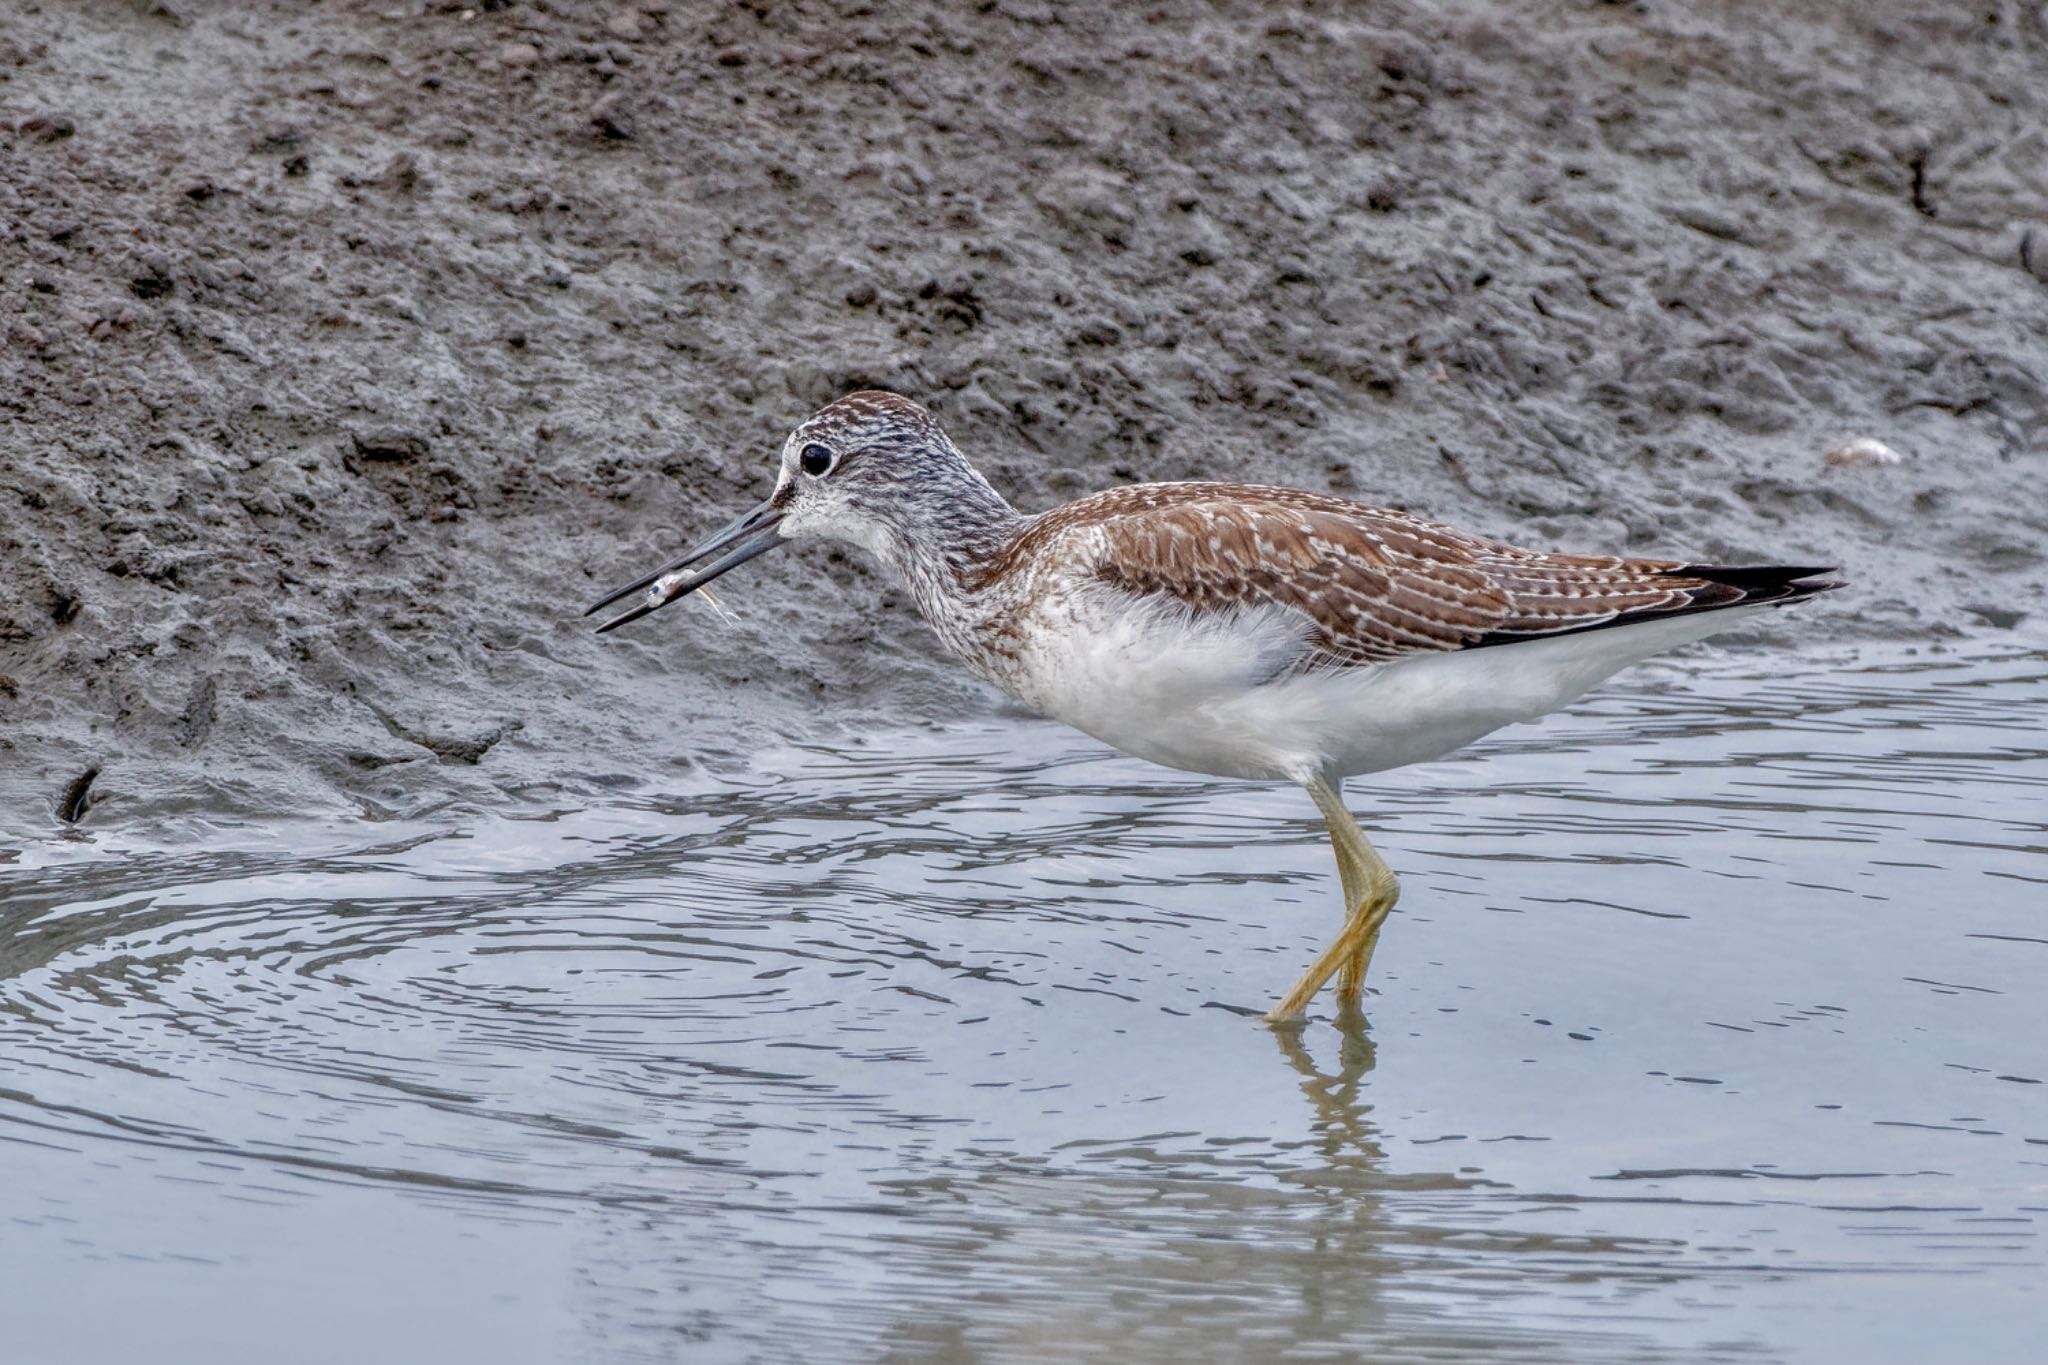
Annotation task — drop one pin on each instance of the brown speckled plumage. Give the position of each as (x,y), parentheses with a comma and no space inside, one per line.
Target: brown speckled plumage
(1377,584)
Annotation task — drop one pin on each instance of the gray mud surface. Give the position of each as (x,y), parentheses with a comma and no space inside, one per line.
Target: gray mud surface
(351,348)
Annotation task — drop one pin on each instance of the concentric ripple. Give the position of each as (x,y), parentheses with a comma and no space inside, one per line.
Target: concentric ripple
(1713,1015)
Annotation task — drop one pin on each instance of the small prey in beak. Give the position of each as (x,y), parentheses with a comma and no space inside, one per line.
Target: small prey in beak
(742,539)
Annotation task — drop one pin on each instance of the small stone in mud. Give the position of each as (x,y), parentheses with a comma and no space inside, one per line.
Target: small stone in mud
(624,25)
(732,56)
(861,295)
(389,444)
(1860,453)
(515,56)
(47,127)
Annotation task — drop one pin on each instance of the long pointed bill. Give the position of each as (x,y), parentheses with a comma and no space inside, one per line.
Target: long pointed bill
(754,534)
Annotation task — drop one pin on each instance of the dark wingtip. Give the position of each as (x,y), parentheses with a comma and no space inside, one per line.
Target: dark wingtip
(1747,575)
(1712,587)
(1765,582)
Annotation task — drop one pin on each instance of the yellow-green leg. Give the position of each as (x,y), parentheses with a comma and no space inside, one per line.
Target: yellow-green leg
(1370,891)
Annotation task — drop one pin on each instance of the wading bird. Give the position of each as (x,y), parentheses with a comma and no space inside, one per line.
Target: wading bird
(1247,632)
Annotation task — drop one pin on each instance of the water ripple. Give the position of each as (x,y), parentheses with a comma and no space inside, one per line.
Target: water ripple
(1702,1004)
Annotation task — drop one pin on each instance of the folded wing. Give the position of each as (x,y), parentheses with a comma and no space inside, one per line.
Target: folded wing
(1373,584)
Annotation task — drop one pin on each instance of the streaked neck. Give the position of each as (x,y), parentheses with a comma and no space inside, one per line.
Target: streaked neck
(940,549)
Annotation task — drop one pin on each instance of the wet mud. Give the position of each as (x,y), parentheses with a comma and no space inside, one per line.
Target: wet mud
(351,348)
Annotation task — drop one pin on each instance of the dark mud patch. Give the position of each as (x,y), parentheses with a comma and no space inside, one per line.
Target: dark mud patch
(350,349)
(76,798)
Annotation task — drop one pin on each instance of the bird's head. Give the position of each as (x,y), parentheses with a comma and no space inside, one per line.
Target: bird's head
(872,469)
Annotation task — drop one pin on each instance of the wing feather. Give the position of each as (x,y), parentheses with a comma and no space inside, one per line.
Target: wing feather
(1371,584)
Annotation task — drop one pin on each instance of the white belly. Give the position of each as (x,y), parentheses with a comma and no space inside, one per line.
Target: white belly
(1191,695)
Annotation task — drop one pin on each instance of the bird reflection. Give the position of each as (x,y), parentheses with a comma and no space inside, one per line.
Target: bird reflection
(1343,1126)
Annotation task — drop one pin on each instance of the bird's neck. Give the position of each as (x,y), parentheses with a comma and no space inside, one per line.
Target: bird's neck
(941,556)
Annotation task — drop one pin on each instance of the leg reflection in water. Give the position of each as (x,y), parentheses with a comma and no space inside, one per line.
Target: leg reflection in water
(1343,1122)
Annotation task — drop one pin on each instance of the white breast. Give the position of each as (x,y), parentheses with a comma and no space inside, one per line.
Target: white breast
(1151,679)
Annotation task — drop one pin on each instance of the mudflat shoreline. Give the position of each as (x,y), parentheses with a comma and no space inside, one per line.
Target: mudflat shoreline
(350,350)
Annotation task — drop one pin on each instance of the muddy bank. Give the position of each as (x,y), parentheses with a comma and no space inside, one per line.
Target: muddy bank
(351,348)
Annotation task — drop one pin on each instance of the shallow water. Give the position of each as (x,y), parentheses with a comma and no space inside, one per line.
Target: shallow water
(1711,1027)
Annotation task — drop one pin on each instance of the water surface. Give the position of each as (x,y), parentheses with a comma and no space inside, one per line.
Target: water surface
(1711,1026)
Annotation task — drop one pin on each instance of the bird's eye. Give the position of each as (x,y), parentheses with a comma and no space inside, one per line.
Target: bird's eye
(814,460)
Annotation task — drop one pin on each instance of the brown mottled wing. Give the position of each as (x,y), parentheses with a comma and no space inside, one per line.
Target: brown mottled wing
(1376,584)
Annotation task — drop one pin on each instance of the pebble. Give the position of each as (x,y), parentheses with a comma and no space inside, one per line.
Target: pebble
(513,56)
(1860,453)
